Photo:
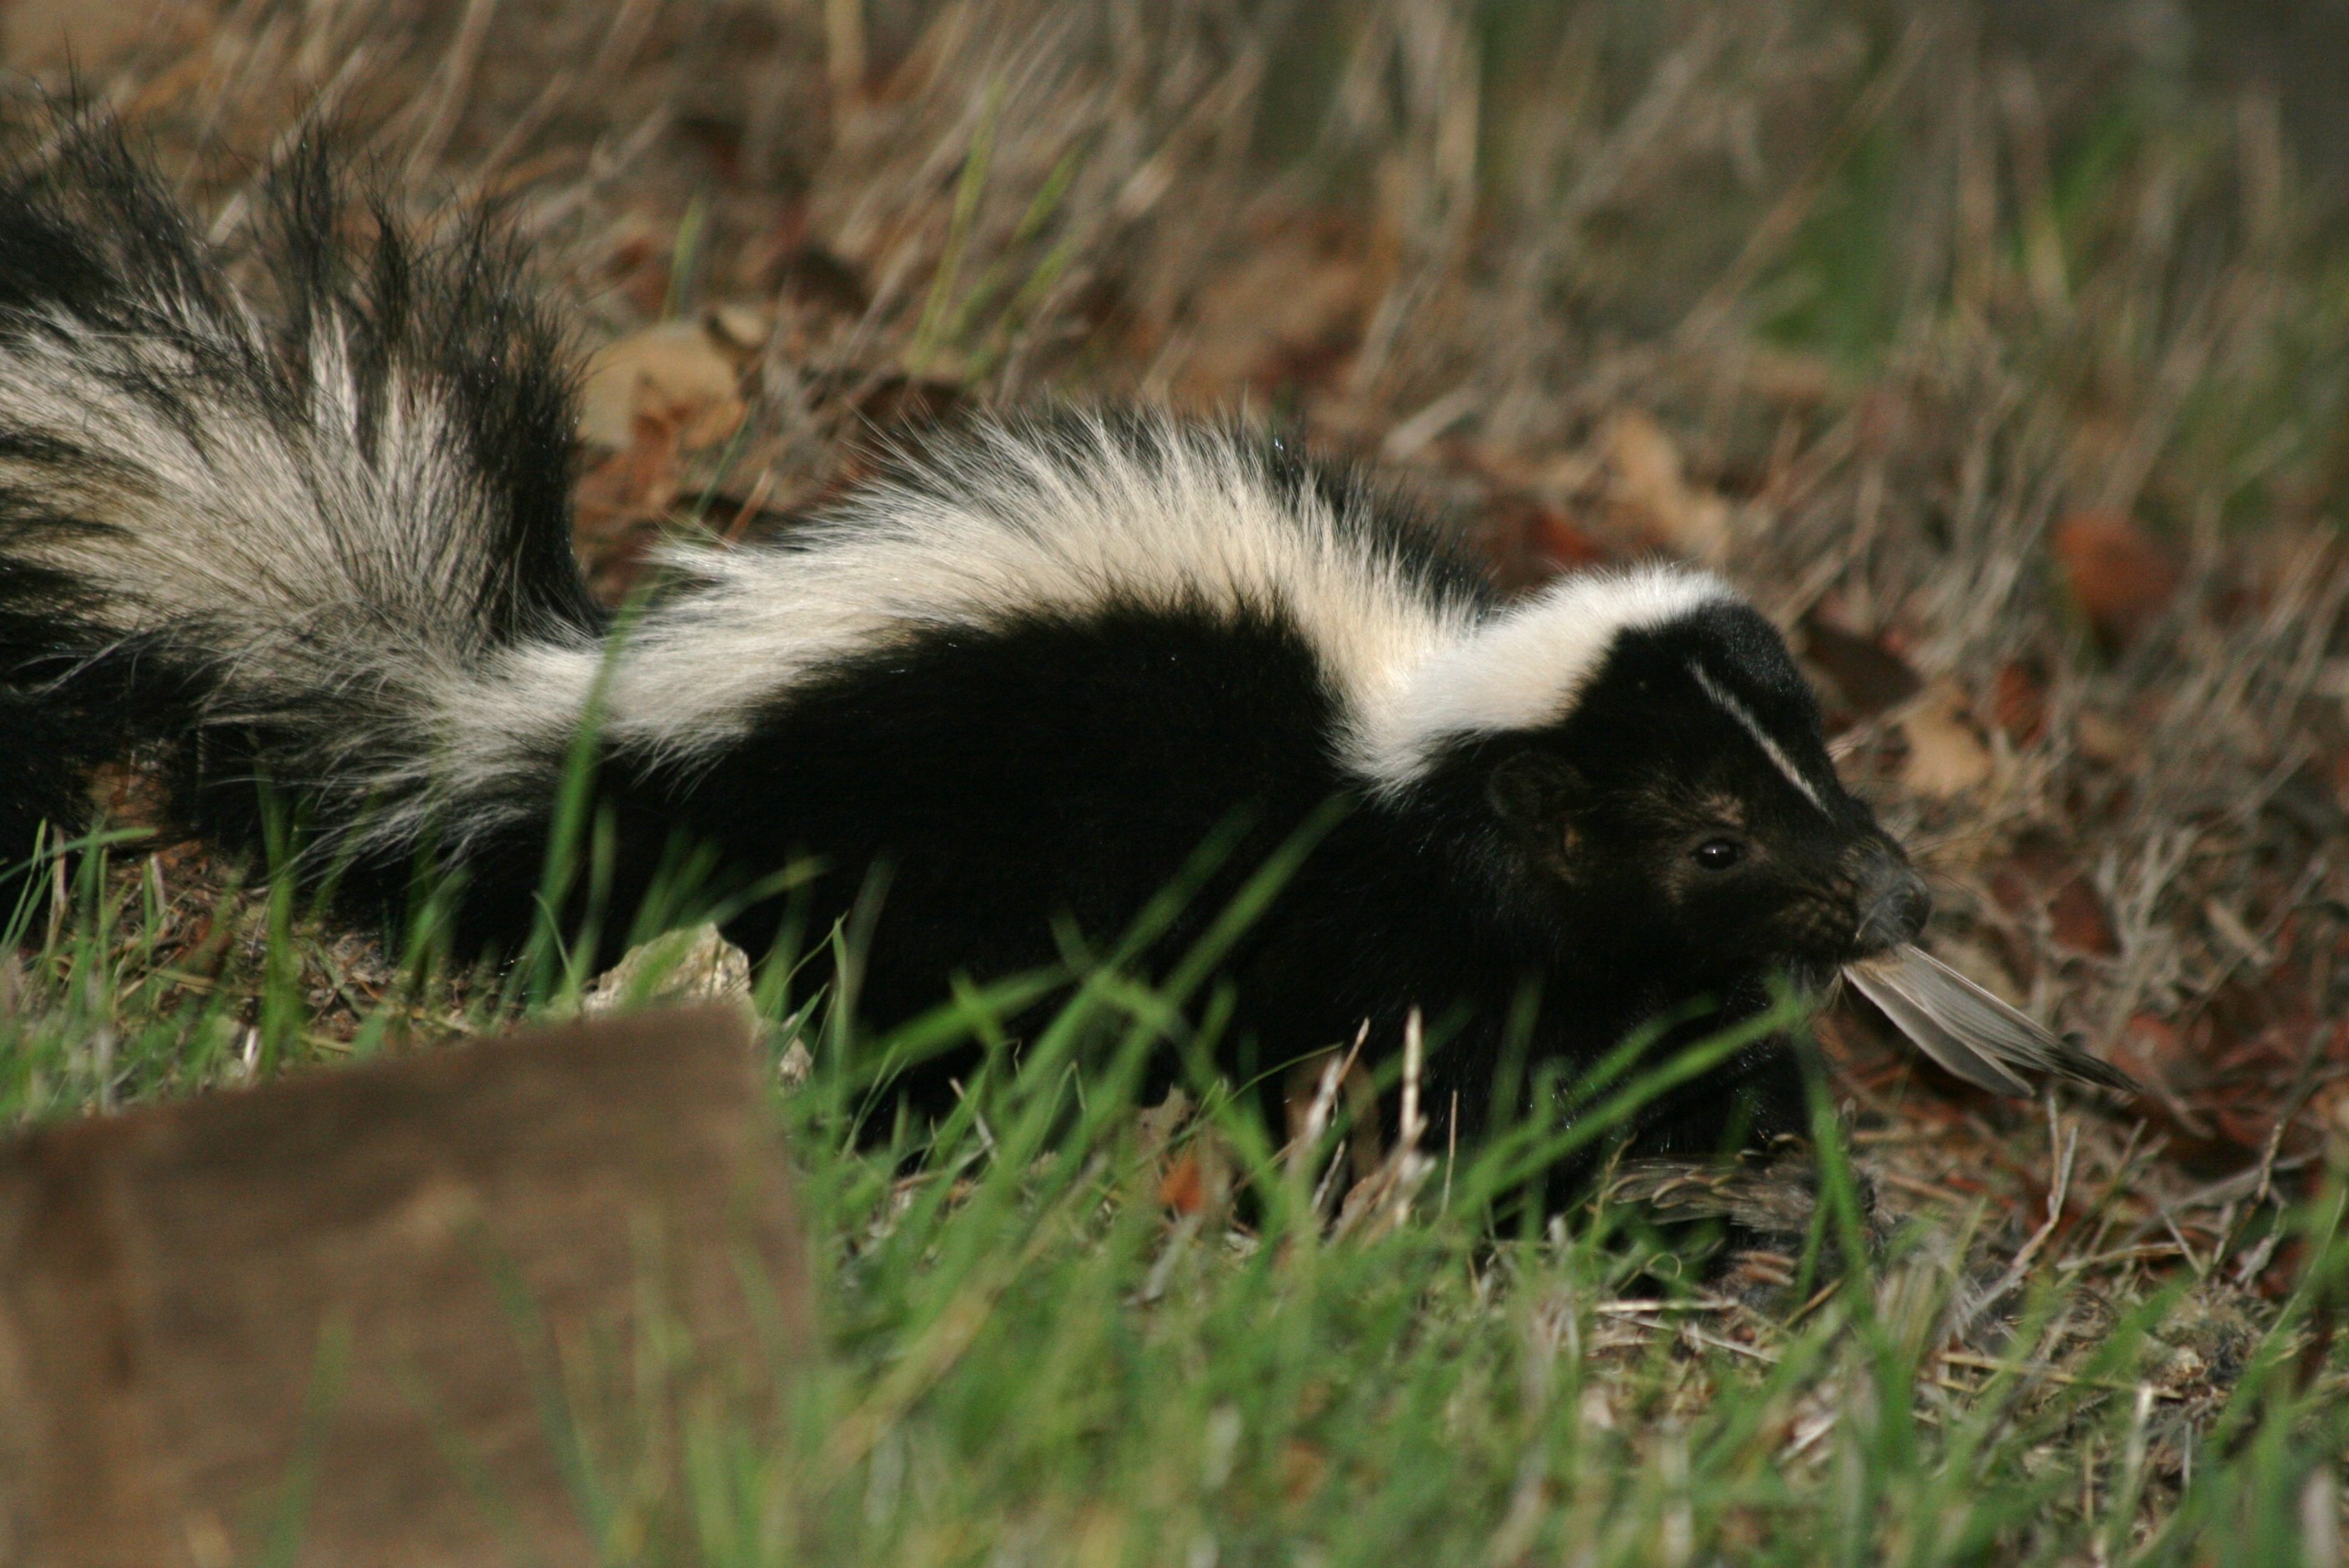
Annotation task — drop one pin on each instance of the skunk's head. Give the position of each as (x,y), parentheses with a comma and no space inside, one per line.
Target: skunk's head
(1651,768)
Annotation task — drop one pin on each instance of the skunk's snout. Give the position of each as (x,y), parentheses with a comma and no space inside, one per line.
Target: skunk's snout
(1894,904)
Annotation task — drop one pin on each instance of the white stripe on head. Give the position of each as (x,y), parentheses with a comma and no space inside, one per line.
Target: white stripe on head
(1769,748)
(1521,669)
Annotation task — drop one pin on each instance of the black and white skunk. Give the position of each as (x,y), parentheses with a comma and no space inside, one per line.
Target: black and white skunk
(317,534)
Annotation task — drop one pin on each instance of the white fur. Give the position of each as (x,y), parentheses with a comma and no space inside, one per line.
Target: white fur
(1776,753)
(1029,530)
(318,562)
(229,522)
(1033,528)
(1519,669)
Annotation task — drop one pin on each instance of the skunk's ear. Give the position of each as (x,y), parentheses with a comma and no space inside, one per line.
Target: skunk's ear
(1534,791)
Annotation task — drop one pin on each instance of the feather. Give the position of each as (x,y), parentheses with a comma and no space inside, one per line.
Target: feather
(1968,1030)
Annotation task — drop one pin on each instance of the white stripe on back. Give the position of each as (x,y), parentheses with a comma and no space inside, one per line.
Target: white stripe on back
(1014,525)
(1519,669)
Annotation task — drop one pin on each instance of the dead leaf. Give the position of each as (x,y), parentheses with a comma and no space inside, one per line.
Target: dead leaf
(1869,677)
(743,328)
(2018,703)
(2166,1053)
(1291,311)
(2076,916)
(1947,754)
(1184,1188)
(1557,541)
(717,137)
(1154,1126)
(677,372)
(2119,575)
(637,259)
(129,796)
(2246,1127)
(620,503)
(1647,484)
(1524,541)
(1200,1177)
(2105,739)
(1194,1173)
(2040,876)
(815,279)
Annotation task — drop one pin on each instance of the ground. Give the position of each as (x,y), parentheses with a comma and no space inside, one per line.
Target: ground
(1999,352)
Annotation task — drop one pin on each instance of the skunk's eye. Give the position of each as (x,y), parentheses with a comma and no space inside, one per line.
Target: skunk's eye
(1719,854)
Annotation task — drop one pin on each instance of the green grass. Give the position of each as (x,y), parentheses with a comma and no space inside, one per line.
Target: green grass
(1024,1354)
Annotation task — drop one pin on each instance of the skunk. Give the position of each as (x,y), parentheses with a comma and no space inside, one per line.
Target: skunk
(309,540)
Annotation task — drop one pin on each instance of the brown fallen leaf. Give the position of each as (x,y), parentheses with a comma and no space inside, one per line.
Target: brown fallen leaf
(814,278)
(1154,1126)
(677,372)
(1868,676)
(1947,754)
(2018,703)
(2078,917)
(2119,575)
(620,501)
(2101,738)
(1524,541)
(1184,1188)
(2168,1052)
(1650,492)
(2041,875)
(130,797)
(742,328)
(1304,1466)
(1557,540)
(636,261)
(1292,311)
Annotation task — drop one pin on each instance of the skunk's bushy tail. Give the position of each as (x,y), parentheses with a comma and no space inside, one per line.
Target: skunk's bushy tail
(265,534)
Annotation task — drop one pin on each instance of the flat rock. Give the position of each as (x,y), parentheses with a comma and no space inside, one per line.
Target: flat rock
(306,1306)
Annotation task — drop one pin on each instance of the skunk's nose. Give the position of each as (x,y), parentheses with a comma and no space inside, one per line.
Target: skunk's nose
(1894,905)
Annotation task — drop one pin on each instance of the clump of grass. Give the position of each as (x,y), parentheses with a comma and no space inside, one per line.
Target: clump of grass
(1026,1353)
(1031,1364)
